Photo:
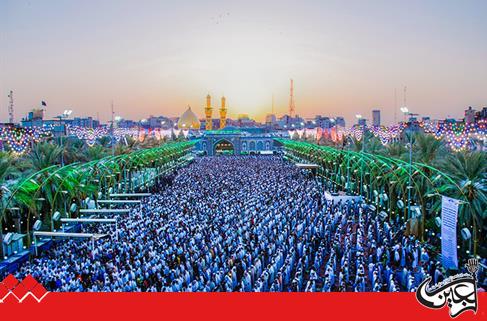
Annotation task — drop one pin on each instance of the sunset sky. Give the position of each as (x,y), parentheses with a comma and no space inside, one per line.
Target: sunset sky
(156,57)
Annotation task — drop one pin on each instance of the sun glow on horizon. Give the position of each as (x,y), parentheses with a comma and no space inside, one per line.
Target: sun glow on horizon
(155,58)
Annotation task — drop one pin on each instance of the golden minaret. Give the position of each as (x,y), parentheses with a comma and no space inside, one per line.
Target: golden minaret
(223,114)
(208,113)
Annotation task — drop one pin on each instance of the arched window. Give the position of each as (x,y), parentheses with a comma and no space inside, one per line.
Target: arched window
(224,147)
(260,145)
(252,145)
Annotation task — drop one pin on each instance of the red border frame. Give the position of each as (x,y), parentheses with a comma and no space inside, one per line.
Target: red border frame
(230,306)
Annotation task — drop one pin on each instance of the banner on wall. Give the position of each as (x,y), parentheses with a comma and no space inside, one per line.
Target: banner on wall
(449,214)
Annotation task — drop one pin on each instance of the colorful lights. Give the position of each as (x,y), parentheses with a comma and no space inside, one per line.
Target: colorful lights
(19,138)
(386,134)
(91,135)
(356,131)
(337,133)
(457,135)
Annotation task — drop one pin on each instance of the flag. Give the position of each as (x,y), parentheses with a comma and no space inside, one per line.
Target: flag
(43,103)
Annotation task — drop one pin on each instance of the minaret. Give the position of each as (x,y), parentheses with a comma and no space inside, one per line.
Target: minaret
(223,114)
(208,113)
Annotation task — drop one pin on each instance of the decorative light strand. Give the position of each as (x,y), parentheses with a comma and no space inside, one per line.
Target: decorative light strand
(19,139)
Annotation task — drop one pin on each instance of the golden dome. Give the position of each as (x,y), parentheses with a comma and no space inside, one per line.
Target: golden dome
(188,120)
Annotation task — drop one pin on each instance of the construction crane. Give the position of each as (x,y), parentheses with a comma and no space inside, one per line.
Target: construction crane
(292,106)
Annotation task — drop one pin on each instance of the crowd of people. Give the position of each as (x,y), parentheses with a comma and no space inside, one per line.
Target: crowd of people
(240,223)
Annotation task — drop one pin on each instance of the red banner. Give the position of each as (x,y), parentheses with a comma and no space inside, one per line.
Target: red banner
(229,306)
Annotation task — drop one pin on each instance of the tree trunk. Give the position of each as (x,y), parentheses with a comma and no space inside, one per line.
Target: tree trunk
(28,230)
(1,240)
(475,241)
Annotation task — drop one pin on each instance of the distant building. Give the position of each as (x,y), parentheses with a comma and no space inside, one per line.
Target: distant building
(159,122)
(310,124)
(36,114)
(287,121)
(270,119)
(87,122)
(469,115)
(127,123)
(323,122)
(362,122)
(340,121)
(328,122)
(35,118)
(376,117)
(245,121)
(481,115)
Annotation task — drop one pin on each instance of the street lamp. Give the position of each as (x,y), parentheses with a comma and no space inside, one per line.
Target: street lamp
(334,122)
(359,117)
(405,111)
(64,115)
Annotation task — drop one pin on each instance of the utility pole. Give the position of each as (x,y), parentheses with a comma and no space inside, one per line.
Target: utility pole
(292,106)
(404,100)
(11,107)
(406,111)
(272,104)
(64,134)
(113,130)
(395,106)
(364,128)
(410,170)
(363,151)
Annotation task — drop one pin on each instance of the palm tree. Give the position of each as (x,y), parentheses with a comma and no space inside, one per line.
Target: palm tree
(395,150)
(151,142)
(373,145)
(121,149)
(43,155)
(74,151)
(469,170)
(7,171)
(356,145)
(428,149)
(131,142)
(95,152)
(105,141)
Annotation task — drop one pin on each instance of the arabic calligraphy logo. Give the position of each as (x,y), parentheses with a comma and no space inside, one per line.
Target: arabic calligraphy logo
(459,292)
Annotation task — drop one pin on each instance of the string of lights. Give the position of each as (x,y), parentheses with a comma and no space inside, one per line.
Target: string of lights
(19,139)
(91,135)
(337,133)
(457,135)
